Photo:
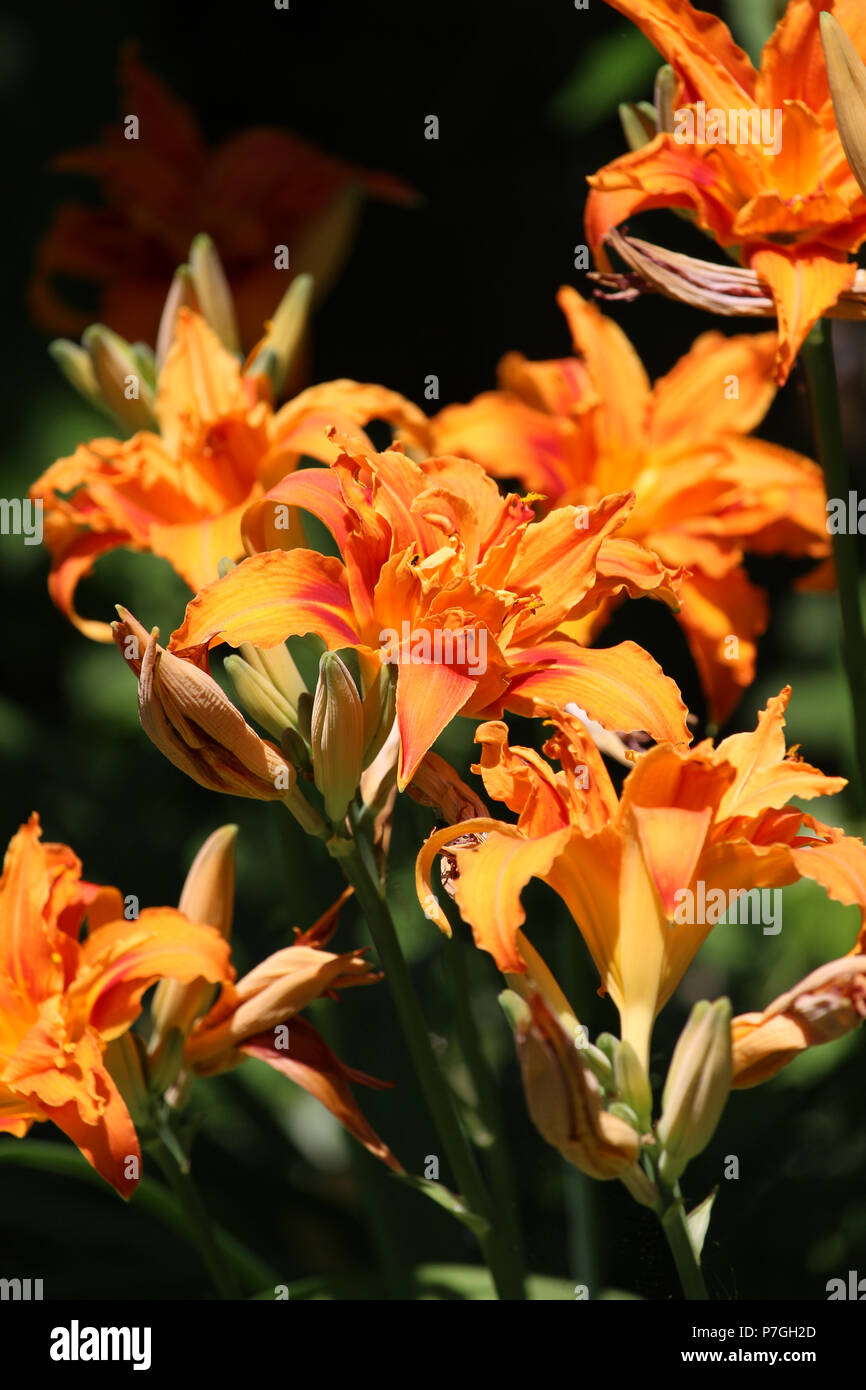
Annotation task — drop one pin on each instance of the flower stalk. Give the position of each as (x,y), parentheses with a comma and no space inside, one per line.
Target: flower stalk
(827,428)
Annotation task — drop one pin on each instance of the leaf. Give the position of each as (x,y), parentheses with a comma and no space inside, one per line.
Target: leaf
(149,1197)
(614,69)
(698,1222)
(444,1197)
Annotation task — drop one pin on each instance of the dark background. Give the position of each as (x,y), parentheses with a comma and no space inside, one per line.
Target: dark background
(526,97)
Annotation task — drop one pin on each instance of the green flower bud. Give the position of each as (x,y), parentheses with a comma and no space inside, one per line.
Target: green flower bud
(697,1086)
(336,736)
(124,388)
(212,291)
(632,1084)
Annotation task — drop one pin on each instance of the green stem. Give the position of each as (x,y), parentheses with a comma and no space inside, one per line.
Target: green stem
(579,1189)
(356,857)
(490,1114)
(197,1219)
(672,1214)
(817,355)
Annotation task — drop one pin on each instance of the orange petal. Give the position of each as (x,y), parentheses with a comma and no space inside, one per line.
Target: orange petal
(271,597)
(671,841)
(32,950)
(766,777)
(490,879)
(73,1088)
(690,401)
(429,694)
(721,618)
(315,490)
(200,383)
(556,561)
(699,46)
(839,867)
(195,548)
(512,440)
(619,422)
(661,175)
(521,779)
(620,687)
(120,961)
(70,567)
(804,283)
(311,1064)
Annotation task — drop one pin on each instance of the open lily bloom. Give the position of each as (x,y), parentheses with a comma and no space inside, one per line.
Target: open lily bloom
(259,188)
(782,198)
(63,1000)
(705,493)
(457,586)
(689,823)
(180,493)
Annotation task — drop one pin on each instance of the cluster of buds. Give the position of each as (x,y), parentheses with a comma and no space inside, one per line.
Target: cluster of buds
(338,734)
(121,379)
(332,740)
(570,1085)
(593,1102)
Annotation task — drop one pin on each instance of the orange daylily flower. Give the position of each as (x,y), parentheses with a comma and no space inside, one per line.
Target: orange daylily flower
(181,493)
(459,587)
(261,188)
(711,816)
(790,210)
(580,427)
(62,1000)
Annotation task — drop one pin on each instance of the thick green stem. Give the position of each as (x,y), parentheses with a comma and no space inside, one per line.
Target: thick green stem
(817,355)
(197,1219)
(672,1214)
(356,857)
(507,1227)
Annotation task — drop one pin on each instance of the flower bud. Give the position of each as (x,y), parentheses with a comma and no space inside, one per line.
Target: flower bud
(632,1084)
(336,736)
(380,706)
(697,1086)
(638,121)
(826,1005)
(846,75)
(77,366)
(127,1065)
(207,900)
(259,694)
(122,384)
(275,355)
(212,291)
(270,995)
(181,295)
(664,98)
(563,1095)
(194,723)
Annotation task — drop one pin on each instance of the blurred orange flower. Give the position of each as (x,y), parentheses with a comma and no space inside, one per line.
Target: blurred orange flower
(62,1000)
(257,190)
(457,586)
(790,208)
(580,427)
